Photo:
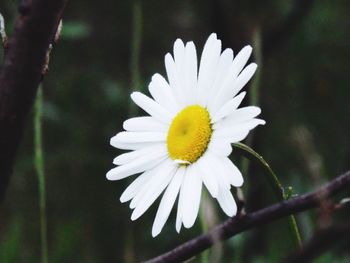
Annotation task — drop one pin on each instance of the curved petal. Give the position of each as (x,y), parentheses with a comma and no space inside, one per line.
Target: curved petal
(226,91)
(215,164)
(167,202)
(231,135)
(190,72)
(243,78)
(131,191)
(153,179)
(228,107)
(163,95)
(220,147)
(151,107)
(226,202)
(160,182)
(138,137)
(208,178)
(174,81)
(208,65)
(236,132)
(233,173)
(192,188)
(220,74)
(146,123)
(133,155)
(137,166)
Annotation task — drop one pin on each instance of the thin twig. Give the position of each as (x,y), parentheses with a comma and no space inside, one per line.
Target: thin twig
(237,225)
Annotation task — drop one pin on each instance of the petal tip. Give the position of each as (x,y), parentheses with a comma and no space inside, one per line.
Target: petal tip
(155,232)
(109,175)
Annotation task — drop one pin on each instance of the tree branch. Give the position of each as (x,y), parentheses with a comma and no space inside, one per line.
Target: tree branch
(21,74)
(237,225)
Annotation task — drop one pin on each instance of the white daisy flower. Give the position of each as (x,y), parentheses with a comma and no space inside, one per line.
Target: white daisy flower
(186,140)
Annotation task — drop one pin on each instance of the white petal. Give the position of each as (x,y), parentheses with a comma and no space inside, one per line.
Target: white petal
(180,205)
(161,92)
(136,137)
(228,108)
(243,78)
(220,147)
(226,202)
(179,52)
(208,178)
(216,166)
(233,173)
(190,72)
(179,58)
(137,166)
(146,123)
(242,114)
(175,82)
(236,132)
(135,187)
(178,216)
(208,65)
(192,188)
(226,92)
(240,60)
(151,107)
(168,201)
(227,173)
(131,156)
(220,74)
(133,146)
(231,135)
(164,176)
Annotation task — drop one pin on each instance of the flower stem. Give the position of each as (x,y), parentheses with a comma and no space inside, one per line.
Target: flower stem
(277,187)
(135,50)
(39,167)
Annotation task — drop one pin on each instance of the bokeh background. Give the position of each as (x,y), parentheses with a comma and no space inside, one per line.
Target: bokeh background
(302,85)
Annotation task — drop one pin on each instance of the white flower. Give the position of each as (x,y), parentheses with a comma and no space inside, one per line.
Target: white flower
(186,140)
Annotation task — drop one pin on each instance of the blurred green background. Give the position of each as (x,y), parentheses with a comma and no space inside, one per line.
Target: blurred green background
(303,84)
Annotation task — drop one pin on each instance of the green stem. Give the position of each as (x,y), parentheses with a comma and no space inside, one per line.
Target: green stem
(135,50)
(276,185)
(39,167)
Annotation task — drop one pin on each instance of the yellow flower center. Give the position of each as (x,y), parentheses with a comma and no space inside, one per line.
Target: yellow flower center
(189,134)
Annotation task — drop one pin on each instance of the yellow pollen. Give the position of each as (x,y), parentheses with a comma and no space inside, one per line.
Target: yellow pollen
(189,134)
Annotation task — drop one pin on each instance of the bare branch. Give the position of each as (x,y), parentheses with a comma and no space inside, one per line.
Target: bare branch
(21,74)
(237,225)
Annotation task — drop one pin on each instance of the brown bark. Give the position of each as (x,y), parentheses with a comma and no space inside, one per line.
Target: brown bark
(21,74)
(237,224)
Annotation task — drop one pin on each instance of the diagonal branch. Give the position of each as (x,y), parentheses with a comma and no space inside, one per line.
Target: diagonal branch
(21,74)
(237,225)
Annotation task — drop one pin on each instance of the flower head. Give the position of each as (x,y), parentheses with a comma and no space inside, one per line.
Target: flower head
(185,141)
